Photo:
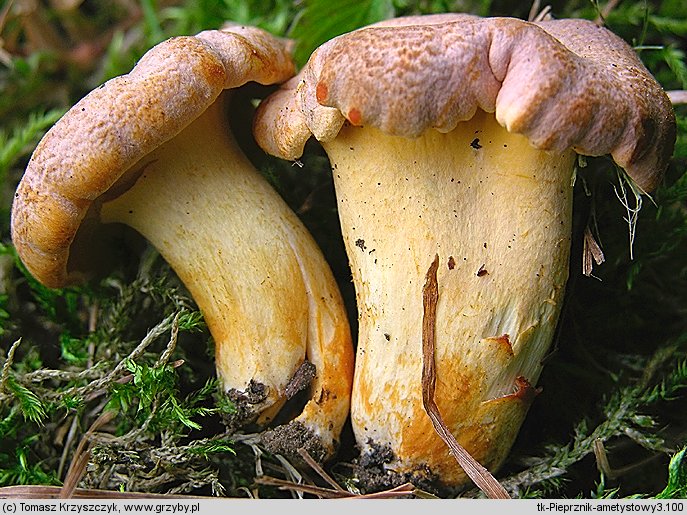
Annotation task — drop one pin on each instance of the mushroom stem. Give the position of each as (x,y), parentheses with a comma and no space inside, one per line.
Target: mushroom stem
(498,214)
(266,294)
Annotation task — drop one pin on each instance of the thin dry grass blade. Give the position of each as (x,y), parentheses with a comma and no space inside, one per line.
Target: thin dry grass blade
(475,471)
(534,9)
(678,96)
(77,467)
(605,12)
(403,490)
(320,471)
(393,493)
(282,484)
(536,14)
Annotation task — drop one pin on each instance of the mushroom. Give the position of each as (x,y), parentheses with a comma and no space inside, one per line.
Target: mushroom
(456,136)
(154,150)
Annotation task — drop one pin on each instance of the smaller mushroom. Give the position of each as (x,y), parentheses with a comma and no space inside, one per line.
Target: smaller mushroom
(456,136)
(154,150)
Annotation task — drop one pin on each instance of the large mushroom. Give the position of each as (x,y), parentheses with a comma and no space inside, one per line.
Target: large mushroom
(154,150)
(456,136)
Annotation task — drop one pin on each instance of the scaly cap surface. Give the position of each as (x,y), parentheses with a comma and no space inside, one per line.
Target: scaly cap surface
(562,83)
(115,125)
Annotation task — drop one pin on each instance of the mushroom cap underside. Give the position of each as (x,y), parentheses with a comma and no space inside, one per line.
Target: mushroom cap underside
(89,149)
(561,83)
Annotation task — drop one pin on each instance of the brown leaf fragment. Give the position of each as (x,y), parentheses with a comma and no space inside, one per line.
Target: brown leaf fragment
(484,480)
(590,251)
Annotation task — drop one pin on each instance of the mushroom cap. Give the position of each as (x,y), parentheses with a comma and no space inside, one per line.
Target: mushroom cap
(561,83)
(89,149)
